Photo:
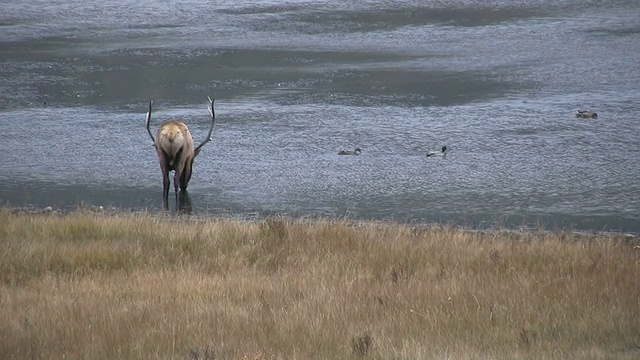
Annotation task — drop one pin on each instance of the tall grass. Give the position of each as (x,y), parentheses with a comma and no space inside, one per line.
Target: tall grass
(138,286)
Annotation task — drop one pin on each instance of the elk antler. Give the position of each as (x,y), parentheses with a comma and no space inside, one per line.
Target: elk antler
(213,121)
(149,120)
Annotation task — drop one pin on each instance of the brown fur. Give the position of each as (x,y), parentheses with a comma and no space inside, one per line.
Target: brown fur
(176,152)
(174,145)
(172,137)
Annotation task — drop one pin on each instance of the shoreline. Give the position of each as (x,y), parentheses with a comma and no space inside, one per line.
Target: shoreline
(255,217)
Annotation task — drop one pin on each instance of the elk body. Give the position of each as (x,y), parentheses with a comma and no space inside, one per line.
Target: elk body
(176,152)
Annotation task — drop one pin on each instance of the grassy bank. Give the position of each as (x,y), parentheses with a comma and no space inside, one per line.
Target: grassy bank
(135,286)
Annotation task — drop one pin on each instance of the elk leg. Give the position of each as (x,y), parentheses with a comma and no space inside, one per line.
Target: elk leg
(176,184)
(165,186)
(186,176)
(165,190)
(165,179)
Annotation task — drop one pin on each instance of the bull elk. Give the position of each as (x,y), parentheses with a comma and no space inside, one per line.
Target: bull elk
(174,145)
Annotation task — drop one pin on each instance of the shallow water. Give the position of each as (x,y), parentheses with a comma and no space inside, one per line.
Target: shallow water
(496,82)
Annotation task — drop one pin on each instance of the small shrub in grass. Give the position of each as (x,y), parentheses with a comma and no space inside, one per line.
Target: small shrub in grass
(361,345)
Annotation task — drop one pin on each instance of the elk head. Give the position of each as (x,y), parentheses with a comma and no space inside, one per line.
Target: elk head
(176,152)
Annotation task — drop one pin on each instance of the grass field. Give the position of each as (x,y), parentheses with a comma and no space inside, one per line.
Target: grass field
(92,286)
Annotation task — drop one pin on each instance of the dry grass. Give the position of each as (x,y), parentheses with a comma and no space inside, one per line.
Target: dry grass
(134,286)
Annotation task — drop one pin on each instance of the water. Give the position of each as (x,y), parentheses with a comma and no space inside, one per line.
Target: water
(498,82)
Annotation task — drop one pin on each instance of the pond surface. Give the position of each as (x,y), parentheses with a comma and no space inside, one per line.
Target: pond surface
(497,82)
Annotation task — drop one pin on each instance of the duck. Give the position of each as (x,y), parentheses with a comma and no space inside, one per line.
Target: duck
(442,152)
(357,151)
(586,114)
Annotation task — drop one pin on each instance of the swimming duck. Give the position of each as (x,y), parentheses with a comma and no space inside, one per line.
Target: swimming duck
(586,114)
(357,151)
(442,152)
